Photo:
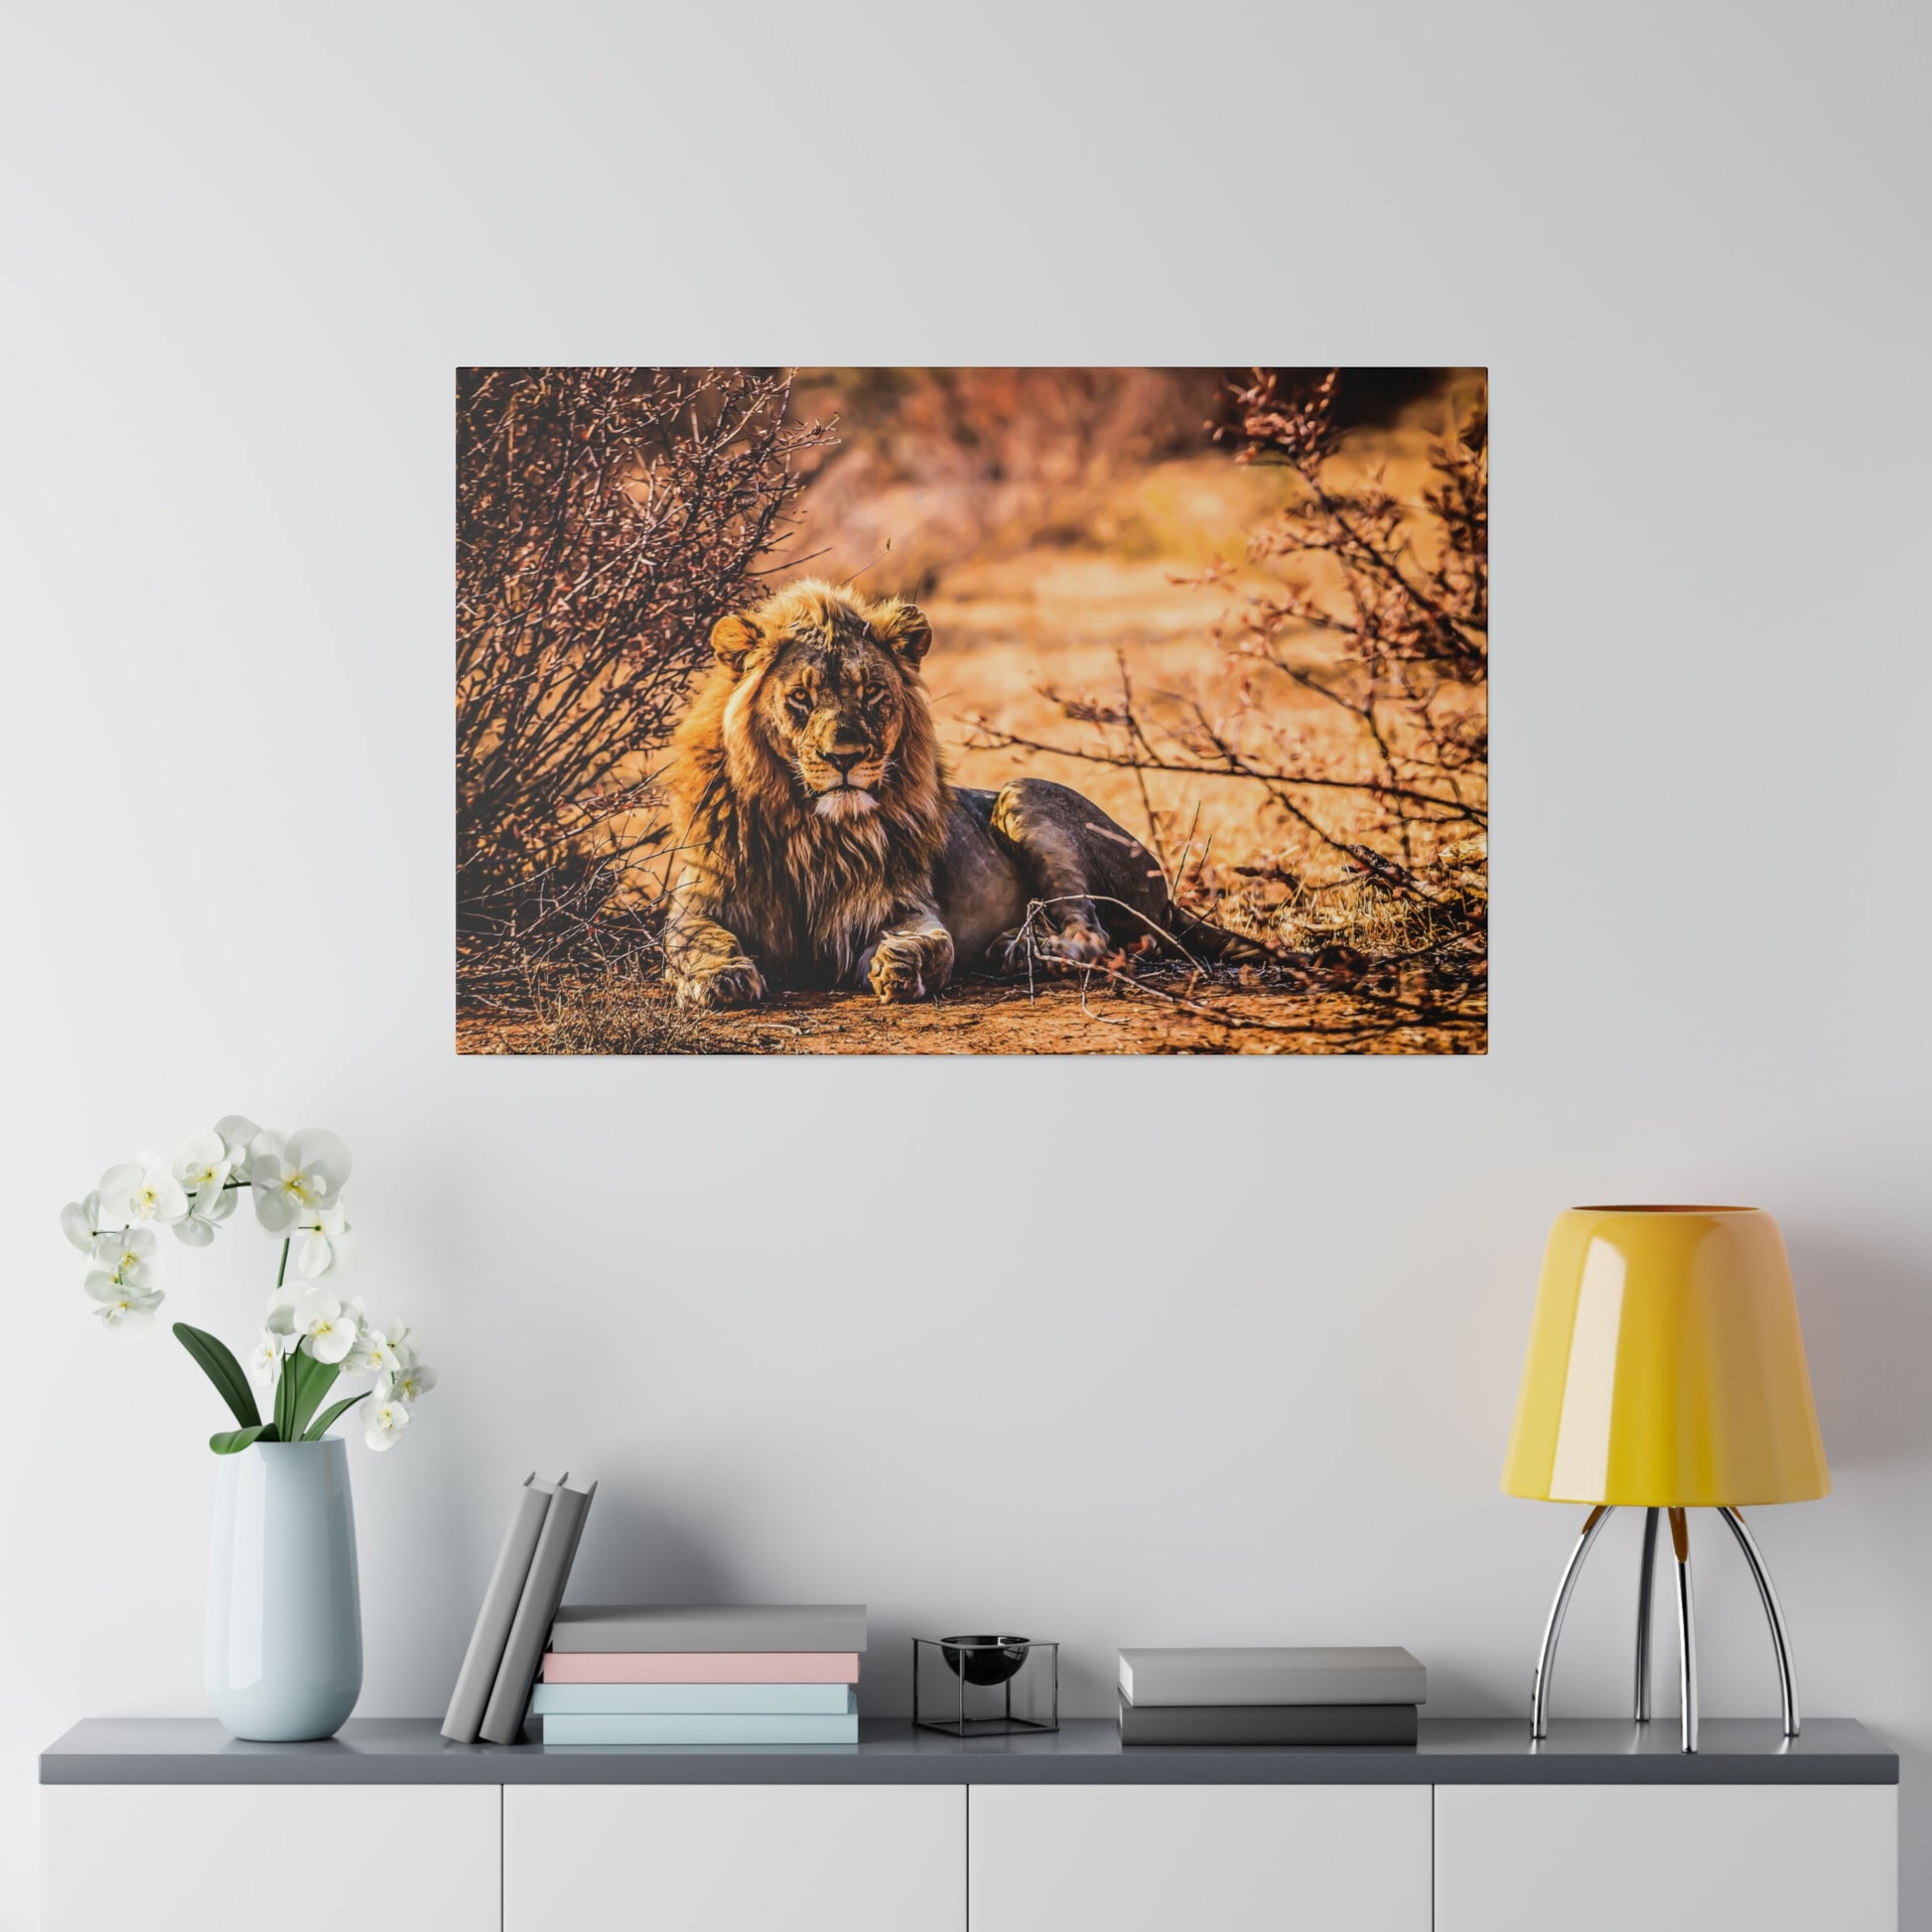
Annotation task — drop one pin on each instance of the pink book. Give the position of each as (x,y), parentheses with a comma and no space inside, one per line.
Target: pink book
(700,1667)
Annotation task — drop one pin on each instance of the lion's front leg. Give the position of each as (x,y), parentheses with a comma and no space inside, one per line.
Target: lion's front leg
(911,959)
(705,961)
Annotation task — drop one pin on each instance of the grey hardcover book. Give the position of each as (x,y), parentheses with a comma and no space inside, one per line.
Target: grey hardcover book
(543,1591)
(1267,1724)
(477,1677)
(1298,1674)
(699,1627)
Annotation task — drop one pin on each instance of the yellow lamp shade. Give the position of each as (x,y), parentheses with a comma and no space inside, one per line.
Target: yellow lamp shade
(1666,1368)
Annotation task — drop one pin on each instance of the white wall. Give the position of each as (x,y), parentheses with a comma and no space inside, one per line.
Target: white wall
(1133,1352)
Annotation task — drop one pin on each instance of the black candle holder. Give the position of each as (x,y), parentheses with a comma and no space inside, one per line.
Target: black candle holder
(986,1686)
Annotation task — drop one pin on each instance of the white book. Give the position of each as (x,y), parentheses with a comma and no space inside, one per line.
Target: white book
(1289,1674)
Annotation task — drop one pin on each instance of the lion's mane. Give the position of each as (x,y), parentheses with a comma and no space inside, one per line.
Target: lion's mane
(806,892)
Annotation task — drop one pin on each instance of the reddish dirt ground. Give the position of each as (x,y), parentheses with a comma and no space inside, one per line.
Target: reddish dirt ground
(1058,1017)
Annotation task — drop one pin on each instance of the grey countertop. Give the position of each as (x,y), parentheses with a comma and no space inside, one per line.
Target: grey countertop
(410,1750)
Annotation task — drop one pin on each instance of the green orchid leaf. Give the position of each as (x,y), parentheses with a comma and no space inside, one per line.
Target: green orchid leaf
(333,1415)
(288,1393)
(312,1380)
(230,1442)
(221,1368)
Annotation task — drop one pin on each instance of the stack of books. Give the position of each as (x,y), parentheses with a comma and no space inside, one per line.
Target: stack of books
(493,1689)
(1298,1696)
(658,1674)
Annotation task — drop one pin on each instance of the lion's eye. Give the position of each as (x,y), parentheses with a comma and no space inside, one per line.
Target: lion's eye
(799,704)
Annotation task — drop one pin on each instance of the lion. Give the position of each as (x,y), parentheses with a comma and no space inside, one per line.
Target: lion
(824,847)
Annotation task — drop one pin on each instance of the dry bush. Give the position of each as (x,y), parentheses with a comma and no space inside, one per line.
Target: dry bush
(1401,596)
(1376,608)
(606,519)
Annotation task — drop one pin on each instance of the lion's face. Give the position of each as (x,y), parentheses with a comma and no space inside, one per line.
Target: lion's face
(834,713)
(824,682)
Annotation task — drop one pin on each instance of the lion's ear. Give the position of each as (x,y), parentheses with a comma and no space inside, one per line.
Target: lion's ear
(735,638)
(905,628)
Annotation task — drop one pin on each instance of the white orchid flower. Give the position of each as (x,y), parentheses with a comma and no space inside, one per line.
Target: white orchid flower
(265,1359)
(401,1344)
(237,1133)
(383,1422)
(120,1303)
(80,1223)
(410,1384)
(371,1353)
(131,1257)
(323,1243)
(141,1190)
(306,1174)
(327,1330)
(202,1164)
(205,1213)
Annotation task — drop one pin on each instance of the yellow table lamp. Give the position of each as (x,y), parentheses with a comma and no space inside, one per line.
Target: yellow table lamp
(1666,1371)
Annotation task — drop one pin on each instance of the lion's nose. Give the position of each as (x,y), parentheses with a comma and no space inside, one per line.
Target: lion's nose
(844,760)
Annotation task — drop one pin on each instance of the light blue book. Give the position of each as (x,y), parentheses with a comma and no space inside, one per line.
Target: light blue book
(695,1700)
(702,1727)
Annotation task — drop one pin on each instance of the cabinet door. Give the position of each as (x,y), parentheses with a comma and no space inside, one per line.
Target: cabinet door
(1666,1858)
(734,1858)
(186,1857)
(1199,1858)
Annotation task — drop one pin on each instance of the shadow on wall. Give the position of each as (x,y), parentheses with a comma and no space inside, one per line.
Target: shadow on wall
(1867,1318)
(1868,1315)
(639,1550)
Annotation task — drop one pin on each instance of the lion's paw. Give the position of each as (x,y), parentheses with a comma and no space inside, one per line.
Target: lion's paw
(896,973)
(737,985)
(1076,942)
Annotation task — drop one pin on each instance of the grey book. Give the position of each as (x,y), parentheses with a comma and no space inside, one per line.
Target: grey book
(543,1591)
(1267,1724)
(1298,1674)
(687,1628)
(478,1676)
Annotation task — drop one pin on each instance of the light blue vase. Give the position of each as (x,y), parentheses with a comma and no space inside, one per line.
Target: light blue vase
(284,1655)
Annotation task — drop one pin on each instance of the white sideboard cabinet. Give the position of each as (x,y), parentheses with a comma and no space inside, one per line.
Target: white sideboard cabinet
(194,1857)
(1161,1857)
(171,1826)
(734,1857)
(1592,1858)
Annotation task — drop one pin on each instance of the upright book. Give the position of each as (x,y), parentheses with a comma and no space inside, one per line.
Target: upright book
(478,1676)
(537,1610)
(1296,1674)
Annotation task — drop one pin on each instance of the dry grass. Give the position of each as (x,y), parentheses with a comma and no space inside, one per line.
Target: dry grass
(615,1010)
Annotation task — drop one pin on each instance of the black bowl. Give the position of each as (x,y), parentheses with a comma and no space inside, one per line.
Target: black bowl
(984,1660)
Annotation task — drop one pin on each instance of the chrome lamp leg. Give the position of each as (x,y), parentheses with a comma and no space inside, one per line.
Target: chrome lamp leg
(1687,1638)
(1773,1615)
(1540,1685)
(1646,1575)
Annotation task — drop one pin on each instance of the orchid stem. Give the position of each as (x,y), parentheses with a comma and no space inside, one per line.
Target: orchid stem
(282,1271)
